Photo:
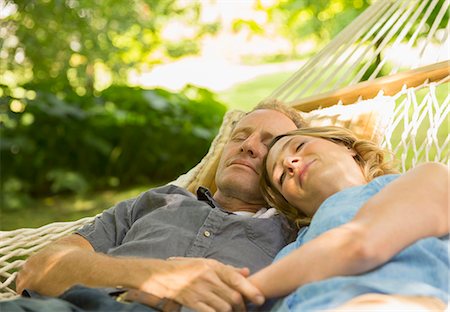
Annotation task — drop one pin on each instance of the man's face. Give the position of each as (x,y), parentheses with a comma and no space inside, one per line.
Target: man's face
(240,163)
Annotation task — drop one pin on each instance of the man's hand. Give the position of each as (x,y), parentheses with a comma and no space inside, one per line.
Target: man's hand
(200,284)
(203,285)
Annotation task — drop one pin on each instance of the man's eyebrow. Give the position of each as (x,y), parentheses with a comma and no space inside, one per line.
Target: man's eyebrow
(282,149)
(247,129)
(267,134)
(242,129)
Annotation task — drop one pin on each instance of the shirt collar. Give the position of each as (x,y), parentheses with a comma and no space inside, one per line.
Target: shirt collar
(205,195)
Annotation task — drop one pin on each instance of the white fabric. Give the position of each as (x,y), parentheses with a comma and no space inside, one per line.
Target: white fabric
(263,213)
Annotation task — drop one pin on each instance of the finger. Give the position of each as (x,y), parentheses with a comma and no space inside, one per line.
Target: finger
(244,272)
(221,302)
(202,307)
(235,299)
(243,286)
(208,288)
(223,291)
(229,295)
(207,300)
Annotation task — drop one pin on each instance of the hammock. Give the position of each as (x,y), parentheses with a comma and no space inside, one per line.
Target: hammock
(401,110)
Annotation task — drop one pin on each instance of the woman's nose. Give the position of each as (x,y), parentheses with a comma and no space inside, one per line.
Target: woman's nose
(291,162)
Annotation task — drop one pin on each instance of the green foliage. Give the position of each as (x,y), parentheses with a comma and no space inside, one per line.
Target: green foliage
(65,207)
(184,47)
(254,27)
(246,95)
(123,136)
(79,42)
(68,123)
(300,20)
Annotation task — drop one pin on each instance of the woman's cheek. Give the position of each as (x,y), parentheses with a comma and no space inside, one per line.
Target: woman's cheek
(291,194)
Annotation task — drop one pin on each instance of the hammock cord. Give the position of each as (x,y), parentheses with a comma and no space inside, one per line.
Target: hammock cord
(419,29)
(404,30)
(319,63)
(434,27)
(374,38)
(418,111)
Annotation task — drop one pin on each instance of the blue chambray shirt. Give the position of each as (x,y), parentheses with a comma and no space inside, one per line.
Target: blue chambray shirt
(170,221)
(422,269)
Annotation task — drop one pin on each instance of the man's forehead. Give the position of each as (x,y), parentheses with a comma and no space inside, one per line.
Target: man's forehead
(266,130)
(266,118)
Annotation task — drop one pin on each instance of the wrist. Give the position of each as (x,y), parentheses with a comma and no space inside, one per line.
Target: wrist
(149,275)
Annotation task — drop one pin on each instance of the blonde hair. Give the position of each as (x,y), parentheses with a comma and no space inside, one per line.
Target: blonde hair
(371,158)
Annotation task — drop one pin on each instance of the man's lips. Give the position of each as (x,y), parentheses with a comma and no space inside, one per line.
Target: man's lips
(245,163)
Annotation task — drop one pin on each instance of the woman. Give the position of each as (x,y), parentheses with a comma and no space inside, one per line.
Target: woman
(327,180)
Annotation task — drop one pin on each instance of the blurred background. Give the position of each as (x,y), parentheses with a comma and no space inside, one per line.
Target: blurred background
(102,99)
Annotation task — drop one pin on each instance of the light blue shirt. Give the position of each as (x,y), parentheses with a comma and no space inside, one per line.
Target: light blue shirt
(421,269)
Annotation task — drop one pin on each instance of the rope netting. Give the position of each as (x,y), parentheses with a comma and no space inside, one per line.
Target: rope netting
(17,245)
(418,130)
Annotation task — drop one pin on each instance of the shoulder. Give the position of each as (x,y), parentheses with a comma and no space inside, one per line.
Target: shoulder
(162,192)
(382,181)
(162,196)
(170,189)
(342,206)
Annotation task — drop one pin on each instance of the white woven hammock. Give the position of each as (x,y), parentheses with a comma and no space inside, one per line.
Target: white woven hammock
(417,129)
(390,35)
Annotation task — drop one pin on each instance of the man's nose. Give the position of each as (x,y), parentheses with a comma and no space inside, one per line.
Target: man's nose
(252,146)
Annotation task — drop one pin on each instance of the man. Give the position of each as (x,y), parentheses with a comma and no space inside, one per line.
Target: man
(135,244)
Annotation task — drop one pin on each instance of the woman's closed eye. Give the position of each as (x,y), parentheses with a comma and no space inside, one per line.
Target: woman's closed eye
(299,147)
(283,174)
(239,137)
(281,179)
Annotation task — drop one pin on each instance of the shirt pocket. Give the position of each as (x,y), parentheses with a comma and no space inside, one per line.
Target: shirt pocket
(267,235)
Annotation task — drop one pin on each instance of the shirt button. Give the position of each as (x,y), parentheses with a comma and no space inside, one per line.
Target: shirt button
(207,233)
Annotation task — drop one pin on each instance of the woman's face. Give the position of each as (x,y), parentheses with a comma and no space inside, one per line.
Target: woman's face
(307,170)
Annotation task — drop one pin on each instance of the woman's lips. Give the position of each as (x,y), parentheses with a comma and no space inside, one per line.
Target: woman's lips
(303,170)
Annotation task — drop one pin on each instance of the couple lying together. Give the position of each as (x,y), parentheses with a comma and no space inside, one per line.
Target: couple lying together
(336,188)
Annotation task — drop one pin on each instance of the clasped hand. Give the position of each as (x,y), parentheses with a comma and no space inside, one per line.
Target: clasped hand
(203,285)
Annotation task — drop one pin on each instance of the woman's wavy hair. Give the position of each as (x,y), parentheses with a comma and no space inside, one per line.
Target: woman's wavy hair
(372,159)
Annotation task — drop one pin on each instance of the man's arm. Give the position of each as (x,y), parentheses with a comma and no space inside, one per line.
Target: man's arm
(200,284)
(410,208)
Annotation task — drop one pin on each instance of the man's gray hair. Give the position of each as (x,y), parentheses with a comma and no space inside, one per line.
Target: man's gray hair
(281,107)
